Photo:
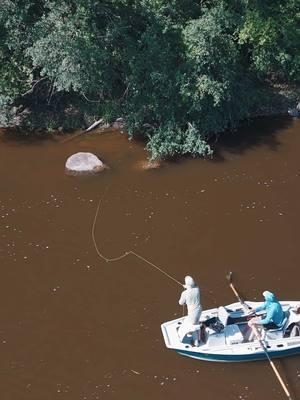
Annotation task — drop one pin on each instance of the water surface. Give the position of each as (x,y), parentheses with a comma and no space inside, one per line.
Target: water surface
(75,327)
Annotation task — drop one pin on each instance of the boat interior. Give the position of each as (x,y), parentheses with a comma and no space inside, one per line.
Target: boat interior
(224,326)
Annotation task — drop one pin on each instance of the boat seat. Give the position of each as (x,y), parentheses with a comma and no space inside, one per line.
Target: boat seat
(223,315)
(280,328)
(286,310)
(273,334)
(284,322)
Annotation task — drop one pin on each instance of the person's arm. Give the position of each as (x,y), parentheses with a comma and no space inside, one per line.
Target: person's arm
(261,308)
(182,299)
(268,318)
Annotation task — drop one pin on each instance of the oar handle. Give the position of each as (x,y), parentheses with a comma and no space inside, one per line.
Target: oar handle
(271,362)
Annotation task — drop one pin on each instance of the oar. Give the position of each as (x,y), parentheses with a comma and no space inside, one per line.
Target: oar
(246,308)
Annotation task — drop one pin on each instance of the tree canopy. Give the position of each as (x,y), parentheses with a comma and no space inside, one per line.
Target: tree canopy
(189,69)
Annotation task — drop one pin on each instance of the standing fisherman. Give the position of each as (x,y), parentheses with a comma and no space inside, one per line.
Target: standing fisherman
(191,297)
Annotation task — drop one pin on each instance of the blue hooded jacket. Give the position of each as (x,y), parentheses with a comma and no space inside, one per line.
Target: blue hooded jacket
(273,308)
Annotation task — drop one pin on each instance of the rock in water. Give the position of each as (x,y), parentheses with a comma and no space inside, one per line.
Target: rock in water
(295,112)
(84,163)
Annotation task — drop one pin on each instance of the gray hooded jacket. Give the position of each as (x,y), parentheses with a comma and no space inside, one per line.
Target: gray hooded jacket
(191,297)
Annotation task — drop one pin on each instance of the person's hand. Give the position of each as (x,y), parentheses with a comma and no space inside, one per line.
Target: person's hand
(253,321)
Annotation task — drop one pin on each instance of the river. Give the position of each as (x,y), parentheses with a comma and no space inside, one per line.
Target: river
(75,327)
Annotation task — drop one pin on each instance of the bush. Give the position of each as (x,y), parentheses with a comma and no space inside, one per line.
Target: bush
(170,141)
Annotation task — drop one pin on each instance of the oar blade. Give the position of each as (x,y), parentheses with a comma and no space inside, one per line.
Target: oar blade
(229,276)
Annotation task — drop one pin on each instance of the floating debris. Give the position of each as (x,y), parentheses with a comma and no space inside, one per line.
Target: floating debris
(135,372)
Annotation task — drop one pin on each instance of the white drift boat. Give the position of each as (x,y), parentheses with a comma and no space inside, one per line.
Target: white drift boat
(224,335)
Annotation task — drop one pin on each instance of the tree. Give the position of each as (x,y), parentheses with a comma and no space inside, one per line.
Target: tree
(271,33)
(188,69)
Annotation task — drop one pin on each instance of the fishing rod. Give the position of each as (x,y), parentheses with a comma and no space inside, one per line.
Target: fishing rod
(246,309)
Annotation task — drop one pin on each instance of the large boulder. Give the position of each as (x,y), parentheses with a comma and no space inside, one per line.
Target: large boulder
(84,163)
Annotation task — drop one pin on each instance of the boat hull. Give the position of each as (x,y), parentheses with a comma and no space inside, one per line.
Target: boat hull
(232,342)
(238,357)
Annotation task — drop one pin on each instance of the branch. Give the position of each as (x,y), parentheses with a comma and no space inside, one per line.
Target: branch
(30,91)
(94,125)
(91,101)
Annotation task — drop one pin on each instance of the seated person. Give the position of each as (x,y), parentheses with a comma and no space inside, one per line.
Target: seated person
(275,314)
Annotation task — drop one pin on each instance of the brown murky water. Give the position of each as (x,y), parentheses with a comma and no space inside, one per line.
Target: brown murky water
(75,327)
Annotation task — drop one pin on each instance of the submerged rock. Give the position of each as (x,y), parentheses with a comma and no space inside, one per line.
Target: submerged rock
(118,124)
(155,164)
(84,163)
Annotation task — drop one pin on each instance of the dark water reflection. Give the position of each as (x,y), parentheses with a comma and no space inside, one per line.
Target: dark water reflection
(253,134)
(75,327)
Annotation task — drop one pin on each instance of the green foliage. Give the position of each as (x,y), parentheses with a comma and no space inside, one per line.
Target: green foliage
(214,85)
(170,141)
(71,50)
(189,69)
(271,32)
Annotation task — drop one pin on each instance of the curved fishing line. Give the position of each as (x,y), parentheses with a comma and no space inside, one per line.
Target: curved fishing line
(127,253)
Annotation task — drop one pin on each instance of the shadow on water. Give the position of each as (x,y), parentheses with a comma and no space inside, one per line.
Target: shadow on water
(21,137)
(251,134)
(261,131)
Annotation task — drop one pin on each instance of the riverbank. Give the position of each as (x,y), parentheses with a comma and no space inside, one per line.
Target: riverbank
(276,99)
